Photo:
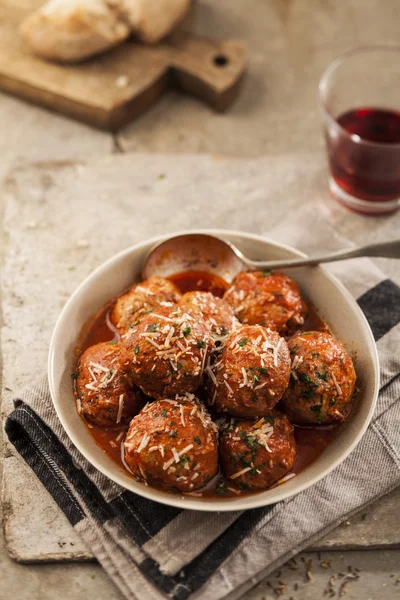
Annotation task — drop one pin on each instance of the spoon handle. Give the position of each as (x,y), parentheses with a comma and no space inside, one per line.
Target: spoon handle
(384,249)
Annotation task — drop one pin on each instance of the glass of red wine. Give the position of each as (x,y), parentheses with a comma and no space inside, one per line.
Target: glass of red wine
(360,100)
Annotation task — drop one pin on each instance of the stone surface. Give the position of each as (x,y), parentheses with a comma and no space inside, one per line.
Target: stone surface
(290,43)
(273,188)
(353,576)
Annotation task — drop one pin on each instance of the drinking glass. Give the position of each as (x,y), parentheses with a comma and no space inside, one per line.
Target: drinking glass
(359,94)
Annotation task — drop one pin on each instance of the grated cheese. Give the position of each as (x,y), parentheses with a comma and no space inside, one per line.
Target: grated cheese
(337,386)
(211,374)
(230,390)
(182,416)
(239,473)
(162,317)
(98,366)
(258,387)
(139,288)
(203,362)
(189,447)
(286,478)
(245,380)
(148,339)
(120,407)
(144,442)
(169,336)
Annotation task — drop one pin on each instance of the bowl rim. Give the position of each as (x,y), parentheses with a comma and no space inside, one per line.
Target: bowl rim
(176,500)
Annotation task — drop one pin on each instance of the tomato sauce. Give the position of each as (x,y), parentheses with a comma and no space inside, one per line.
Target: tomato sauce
(311,441)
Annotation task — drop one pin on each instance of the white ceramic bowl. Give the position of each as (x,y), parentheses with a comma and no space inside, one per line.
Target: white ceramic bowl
(334,304)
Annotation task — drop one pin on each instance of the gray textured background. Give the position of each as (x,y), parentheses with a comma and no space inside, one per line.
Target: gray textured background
(290,42)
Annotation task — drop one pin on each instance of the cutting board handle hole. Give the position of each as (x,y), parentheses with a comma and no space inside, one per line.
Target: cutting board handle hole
(220,60)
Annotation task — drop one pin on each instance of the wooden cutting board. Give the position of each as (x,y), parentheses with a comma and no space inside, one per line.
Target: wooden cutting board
(210,69)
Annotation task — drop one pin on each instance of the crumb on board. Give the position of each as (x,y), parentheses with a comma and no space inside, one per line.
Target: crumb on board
(122,81)
(82,244)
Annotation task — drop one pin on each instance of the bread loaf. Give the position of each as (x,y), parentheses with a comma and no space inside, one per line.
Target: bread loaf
(72,30)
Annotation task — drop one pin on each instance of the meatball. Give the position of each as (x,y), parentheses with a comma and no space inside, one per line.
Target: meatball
(217,313)
(167,351)
(269,299)
(140,299)
(104,389)
(256,454)
(173,444)
(322,382)
(251,372)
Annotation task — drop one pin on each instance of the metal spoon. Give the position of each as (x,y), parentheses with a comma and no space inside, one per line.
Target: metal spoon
(203,252)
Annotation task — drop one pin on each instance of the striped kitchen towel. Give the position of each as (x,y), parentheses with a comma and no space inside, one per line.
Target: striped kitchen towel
(153,551)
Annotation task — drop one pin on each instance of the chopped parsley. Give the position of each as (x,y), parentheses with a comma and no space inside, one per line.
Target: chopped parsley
(294,349)
(136,350)
(184,460)
(113,342)
(317,410)
(262,371)
(254,471)
(265,274)
(332,402)
(75,375)
(243,486)
(243,342)
(270,419)
(233,458)
(173,423)
(173,434)
(153,327)
(201,344)
(323,376)
(164,412)
(244,461)
(305,378)
(221,489)
(250,441)
(197,440)
(186,331)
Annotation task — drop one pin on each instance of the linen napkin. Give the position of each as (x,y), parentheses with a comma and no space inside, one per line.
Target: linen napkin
(152,551)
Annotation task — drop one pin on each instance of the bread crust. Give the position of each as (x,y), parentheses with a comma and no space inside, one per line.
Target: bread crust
(73,30)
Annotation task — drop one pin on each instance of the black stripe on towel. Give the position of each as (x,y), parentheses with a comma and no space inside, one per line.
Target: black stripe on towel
(50,461)
(194,575)
(381,306)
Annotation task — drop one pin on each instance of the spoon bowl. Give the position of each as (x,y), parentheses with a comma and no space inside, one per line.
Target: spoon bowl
(193,252)
(205,252)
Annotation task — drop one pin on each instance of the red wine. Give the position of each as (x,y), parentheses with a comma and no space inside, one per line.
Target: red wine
(365,162)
